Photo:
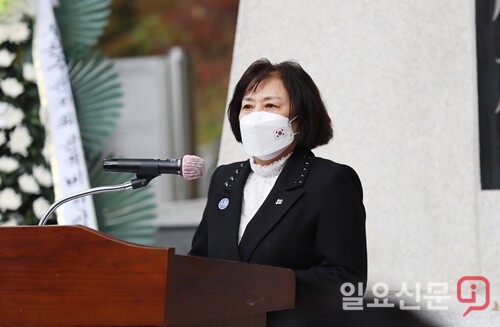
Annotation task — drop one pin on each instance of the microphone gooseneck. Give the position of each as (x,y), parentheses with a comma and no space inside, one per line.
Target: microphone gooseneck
(134,184)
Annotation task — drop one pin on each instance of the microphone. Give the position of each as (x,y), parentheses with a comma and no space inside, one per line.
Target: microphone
(189,167)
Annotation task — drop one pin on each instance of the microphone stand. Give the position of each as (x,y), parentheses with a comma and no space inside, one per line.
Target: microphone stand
(141,181)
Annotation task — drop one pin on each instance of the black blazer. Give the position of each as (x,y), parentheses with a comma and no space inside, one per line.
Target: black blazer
(313,222)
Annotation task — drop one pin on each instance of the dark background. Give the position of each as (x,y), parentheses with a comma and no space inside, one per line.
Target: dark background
(488,50)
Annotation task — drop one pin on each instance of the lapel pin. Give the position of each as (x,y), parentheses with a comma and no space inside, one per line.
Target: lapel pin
(279,201)
(223,203)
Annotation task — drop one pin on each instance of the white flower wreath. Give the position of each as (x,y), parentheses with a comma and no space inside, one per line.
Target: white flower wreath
(26,181)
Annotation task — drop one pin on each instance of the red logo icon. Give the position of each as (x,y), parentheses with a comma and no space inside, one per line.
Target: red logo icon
(467,292)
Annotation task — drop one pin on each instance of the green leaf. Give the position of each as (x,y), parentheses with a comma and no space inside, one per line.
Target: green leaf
(130,214)
(97,94)
(81,23)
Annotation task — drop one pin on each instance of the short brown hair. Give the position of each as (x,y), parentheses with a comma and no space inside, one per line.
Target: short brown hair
(314,124)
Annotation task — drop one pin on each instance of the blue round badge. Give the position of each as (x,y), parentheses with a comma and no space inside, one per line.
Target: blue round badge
(223,203)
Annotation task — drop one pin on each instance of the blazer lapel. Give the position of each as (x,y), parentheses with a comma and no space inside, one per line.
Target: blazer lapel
(229,200)
(286,191)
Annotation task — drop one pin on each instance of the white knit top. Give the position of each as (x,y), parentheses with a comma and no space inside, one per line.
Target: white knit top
(258,186)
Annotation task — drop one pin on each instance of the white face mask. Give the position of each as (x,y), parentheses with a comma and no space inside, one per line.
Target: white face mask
(265,135)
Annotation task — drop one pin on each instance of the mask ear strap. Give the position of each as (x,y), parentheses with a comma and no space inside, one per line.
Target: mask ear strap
(290,126)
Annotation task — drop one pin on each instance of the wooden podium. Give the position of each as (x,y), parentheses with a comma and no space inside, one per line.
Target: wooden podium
(75,276)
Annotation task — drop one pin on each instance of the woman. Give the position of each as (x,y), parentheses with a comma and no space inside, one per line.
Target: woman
(285,207)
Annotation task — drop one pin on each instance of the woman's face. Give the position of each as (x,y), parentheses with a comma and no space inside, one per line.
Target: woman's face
(270,96)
